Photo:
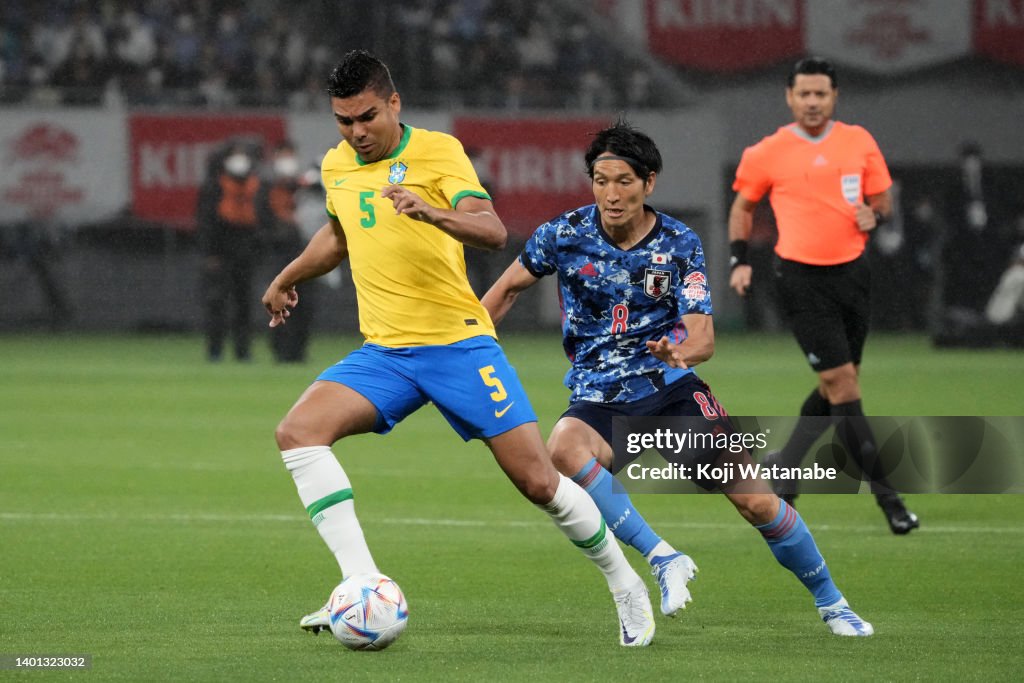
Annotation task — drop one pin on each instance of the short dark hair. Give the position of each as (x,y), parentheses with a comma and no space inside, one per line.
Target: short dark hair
(812,66)
(623,140)
(358,71)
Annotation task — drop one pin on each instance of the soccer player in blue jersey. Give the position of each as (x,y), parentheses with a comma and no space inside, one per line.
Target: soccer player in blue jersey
(401,203)
(636,320)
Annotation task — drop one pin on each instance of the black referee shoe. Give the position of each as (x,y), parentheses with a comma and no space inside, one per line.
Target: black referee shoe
(901,520)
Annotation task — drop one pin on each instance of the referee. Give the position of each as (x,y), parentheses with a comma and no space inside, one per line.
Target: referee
(829,188)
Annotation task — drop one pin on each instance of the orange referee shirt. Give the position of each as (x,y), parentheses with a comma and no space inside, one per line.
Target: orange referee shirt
(816,185)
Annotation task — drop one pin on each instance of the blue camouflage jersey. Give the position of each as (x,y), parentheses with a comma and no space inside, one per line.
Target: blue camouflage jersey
(615,300)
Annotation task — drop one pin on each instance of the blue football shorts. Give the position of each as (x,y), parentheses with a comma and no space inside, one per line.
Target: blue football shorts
(470,382)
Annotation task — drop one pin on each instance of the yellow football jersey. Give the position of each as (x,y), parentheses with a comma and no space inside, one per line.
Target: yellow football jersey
(410,277)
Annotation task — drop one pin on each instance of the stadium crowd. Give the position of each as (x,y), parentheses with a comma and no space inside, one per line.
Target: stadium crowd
(217,54)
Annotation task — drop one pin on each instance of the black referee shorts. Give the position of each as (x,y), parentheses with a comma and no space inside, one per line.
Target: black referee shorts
(828,308)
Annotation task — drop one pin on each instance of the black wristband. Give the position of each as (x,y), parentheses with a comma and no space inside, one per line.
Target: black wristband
(738,253)
(880,220)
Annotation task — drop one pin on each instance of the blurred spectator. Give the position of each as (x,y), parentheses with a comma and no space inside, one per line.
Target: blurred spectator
(595,91)
(977,216)
(183,49)
(229,242)
(83,35)
(37,243)
(537,53)
(489,65)
(41,91)
(275,209)
(1005,308)
(233,48)
(294,58)
(983,213)
(523,53)
(639,89)
(77,76)
(135,45)
(310,96)
(213,89)
(922,234)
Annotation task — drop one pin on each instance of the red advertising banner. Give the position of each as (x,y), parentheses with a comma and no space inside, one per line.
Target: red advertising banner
(169,154)
(999,30)
(725,35)
(533,167)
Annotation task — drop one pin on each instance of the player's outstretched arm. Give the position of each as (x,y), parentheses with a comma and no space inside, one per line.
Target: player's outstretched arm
(502,294)
(473,222)
(741,224)
(325,251)
(698,346)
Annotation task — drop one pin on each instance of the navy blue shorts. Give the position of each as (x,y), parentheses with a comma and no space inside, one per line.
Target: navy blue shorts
(470,382)
(688,396)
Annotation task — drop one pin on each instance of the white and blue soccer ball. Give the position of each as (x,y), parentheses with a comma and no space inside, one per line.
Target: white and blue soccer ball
(367,612)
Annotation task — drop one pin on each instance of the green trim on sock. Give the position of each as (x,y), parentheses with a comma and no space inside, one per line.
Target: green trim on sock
(593,540)
(319,506)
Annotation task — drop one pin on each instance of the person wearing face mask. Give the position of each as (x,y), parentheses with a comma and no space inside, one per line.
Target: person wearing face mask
(229,244)
(275,209)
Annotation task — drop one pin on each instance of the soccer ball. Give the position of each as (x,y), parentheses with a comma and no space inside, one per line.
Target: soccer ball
(367,612)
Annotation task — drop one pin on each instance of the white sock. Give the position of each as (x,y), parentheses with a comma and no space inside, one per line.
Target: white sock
(325,490)
(663,549)
(576,514)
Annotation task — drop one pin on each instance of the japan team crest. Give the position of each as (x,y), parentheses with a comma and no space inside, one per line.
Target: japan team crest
(396,172)
(657,283)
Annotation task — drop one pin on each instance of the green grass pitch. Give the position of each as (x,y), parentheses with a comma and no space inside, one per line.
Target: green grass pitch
(146,519)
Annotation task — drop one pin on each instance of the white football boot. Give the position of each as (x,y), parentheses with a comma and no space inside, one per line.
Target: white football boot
(673,573)
(636,618)
(843,621)
(317,621)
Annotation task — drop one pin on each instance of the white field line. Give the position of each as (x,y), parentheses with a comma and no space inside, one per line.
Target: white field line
(59,517)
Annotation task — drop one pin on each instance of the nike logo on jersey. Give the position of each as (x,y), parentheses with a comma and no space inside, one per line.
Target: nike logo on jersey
(339,182)
(501,413)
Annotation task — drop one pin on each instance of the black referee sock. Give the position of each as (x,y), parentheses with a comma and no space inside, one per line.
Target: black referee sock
(806,431)
(853,428)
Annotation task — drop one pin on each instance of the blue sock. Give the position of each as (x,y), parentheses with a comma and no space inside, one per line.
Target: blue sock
(617,509)
(793,546)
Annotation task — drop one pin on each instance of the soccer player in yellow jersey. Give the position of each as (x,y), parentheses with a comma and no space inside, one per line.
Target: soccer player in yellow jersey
(401,203)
